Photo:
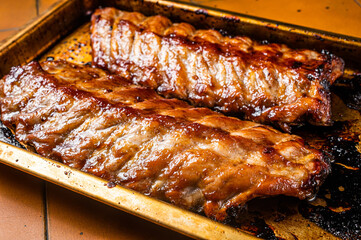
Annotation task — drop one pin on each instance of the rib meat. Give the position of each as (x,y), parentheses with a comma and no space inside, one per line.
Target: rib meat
(195,158)
(267,83)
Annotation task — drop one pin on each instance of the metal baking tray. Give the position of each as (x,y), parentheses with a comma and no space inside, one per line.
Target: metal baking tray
(63,33)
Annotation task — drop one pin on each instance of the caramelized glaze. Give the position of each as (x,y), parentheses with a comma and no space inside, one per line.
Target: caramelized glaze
(194,158)
(267,83)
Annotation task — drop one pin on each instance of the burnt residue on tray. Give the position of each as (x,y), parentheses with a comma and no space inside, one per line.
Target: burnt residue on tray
(341,192)
(259,228)
(262,217)
(7,136)
(249,222)
(350,91)
(252,224)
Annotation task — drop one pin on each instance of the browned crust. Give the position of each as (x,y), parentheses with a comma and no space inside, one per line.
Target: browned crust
(267,83)
(192,157)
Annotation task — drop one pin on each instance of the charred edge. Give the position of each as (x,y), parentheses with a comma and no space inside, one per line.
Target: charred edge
(324,170)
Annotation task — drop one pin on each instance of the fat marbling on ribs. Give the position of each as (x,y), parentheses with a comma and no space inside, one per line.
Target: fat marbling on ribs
(195,158)
(268,83)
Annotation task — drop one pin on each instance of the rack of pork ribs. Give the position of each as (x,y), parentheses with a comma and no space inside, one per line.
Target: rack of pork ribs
(129,123)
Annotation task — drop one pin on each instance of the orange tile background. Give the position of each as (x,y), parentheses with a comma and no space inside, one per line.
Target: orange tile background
(16,13)
(338,16)
(21,205)
(33,209)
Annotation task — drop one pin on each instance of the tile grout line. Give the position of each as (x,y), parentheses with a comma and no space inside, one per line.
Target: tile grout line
(9,29)
(357,2)
(45,209)
(37,7)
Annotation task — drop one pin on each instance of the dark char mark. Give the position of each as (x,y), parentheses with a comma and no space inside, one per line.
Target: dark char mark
(341,191)
(349,91)
(7,136)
